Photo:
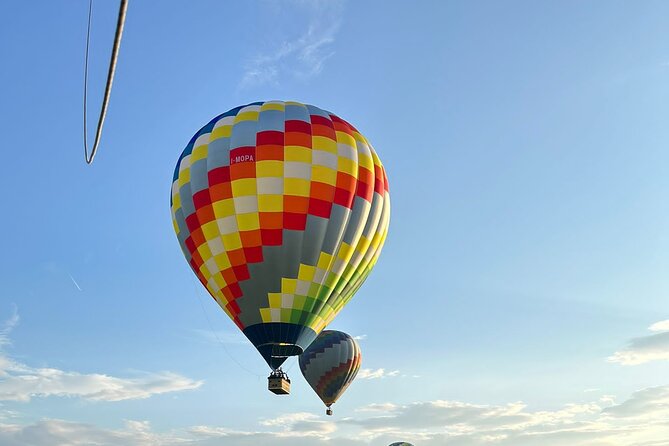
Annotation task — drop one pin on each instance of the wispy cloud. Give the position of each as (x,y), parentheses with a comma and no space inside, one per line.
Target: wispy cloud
(7,327)
(645,349)
(302,57)
(22,382)
(640,420)
(301,424)
(376,374)
(650,404)
(361,337)
(52,432)
(378,407)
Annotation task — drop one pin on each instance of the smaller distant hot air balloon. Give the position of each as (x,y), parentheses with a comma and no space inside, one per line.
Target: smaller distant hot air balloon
(330,364)
(400,443)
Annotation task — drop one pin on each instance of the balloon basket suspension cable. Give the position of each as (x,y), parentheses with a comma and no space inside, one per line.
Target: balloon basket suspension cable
(278,382)
(123,7)
(292,364)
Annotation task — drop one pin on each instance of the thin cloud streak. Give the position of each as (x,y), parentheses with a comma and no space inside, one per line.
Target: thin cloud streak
(75,282)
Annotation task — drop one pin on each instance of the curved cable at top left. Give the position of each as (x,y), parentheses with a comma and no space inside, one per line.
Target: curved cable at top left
(123,7)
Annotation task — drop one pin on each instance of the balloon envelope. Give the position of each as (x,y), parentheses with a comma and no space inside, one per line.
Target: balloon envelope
(281,209)
(401,443)
(330,364)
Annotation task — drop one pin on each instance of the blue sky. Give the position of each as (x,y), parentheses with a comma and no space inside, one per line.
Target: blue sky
(521,297)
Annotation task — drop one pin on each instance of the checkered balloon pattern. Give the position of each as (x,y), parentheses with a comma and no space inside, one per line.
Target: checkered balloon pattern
(281,209)
(330,364)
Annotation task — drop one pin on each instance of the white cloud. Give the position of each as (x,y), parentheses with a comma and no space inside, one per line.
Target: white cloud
(59,432)
(289,419)
(291,425)
(22,382)
(660,326)
(376,374)
(650,404)
(641,420)
(7,328)
(300,424)
(645,349)
(302,57)
(209,431)
(378,407)
(361,337)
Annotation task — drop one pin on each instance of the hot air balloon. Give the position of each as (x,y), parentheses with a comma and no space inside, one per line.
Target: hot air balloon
(330,364)
(281,210)
(400,443)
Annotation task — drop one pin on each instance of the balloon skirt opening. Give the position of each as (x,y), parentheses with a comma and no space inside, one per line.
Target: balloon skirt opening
(277,341)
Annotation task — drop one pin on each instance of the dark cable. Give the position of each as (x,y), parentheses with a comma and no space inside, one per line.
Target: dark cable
(110,77)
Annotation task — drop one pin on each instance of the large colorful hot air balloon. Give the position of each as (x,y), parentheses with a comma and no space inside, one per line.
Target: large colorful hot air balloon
(281,209)
(330,364)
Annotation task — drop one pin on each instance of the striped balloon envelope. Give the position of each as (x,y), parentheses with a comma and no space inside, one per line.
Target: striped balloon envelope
(330,364)
(281,210)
